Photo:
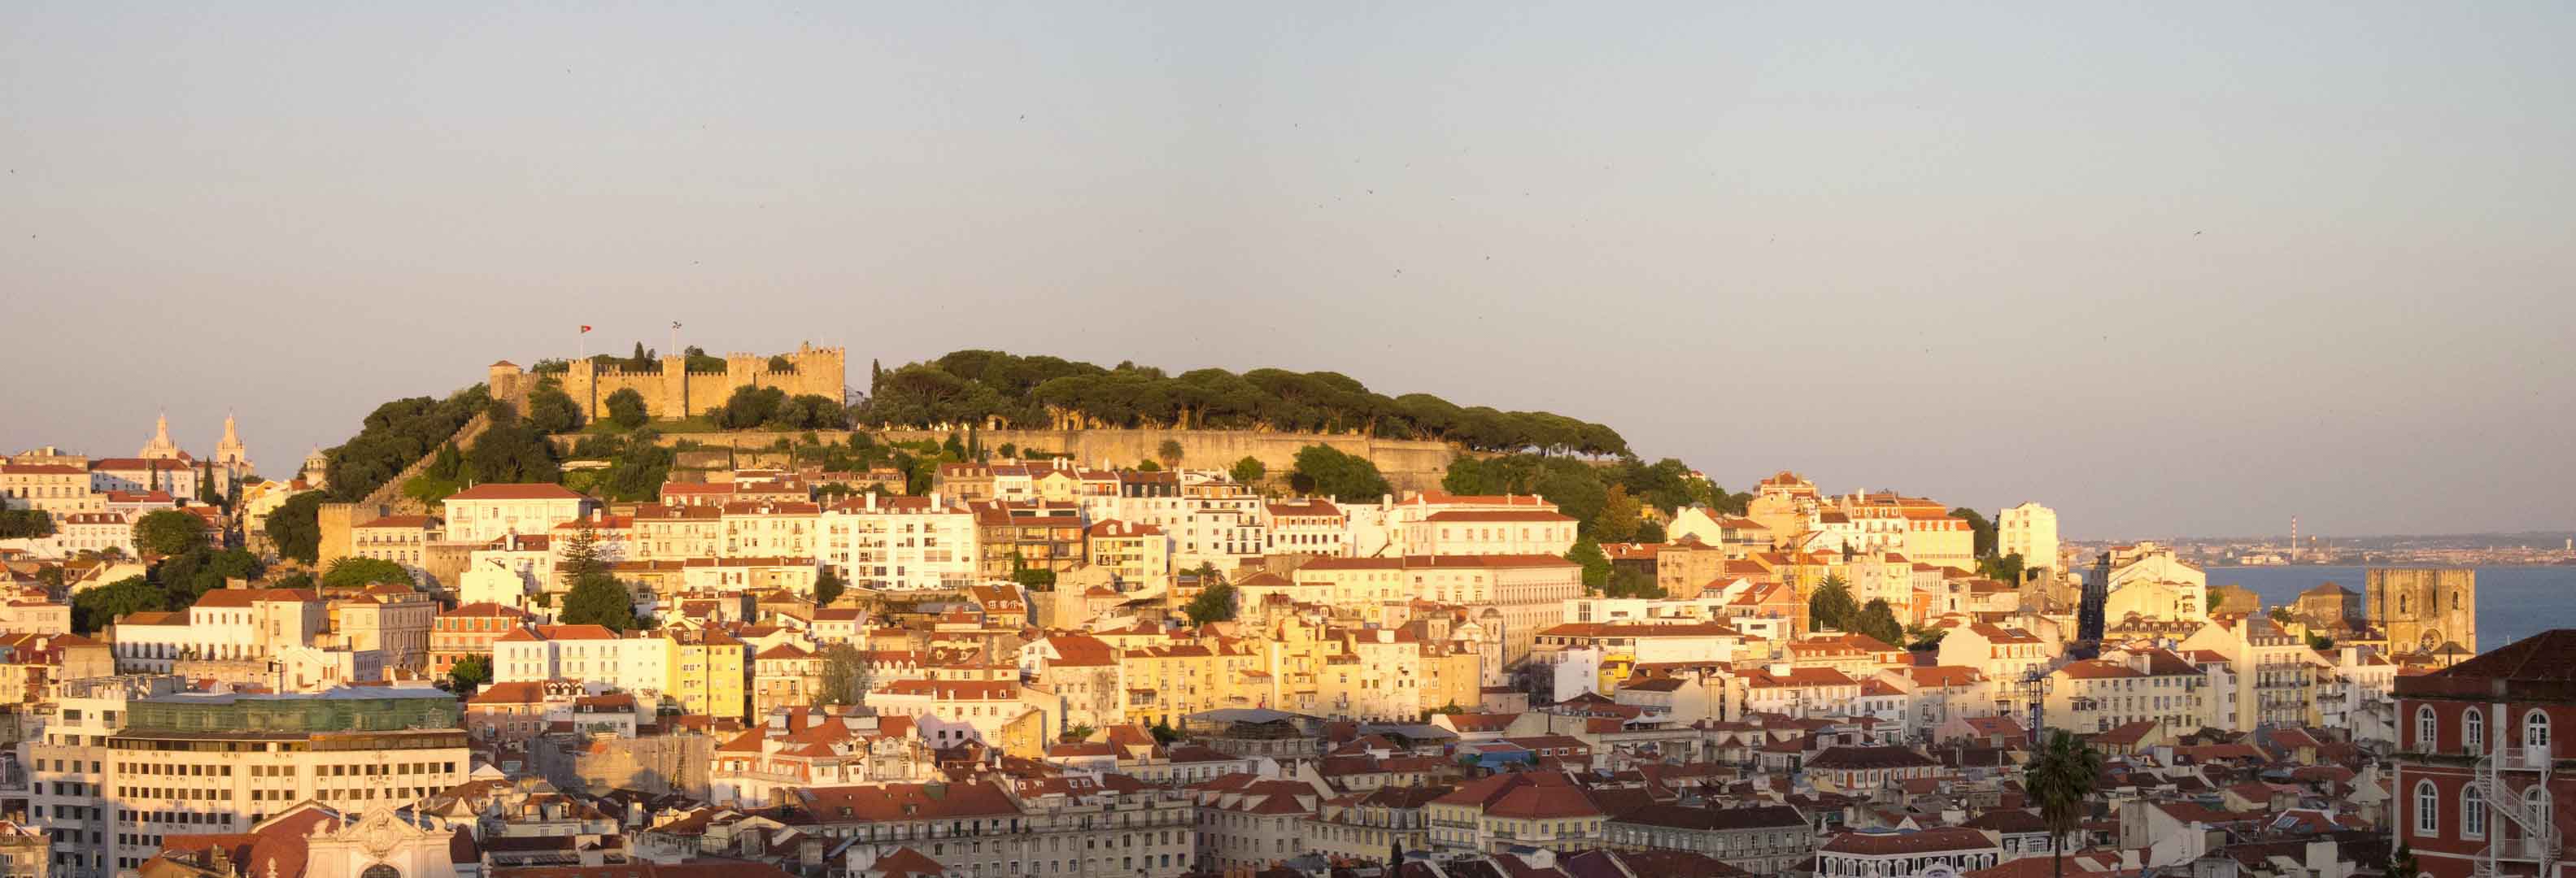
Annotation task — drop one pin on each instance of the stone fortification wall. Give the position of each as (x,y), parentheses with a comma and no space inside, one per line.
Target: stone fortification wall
(1408,464)
(673,391)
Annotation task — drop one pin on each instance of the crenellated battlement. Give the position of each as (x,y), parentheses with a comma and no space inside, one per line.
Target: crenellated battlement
(674,390)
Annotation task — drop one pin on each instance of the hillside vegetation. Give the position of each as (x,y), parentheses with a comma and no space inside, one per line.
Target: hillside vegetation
(1042,392)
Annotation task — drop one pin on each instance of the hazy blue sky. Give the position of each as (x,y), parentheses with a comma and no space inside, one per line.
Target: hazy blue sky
(2192,268)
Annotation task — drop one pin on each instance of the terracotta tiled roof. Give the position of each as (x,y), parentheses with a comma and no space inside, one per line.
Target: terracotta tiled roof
(499,491)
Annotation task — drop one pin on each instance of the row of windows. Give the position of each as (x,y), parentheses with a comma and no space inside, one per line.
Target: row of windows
(2428,729)
(2473,809)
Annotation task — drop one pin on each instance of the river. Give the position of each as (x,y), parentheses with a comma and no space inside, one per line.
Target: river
(2513,602)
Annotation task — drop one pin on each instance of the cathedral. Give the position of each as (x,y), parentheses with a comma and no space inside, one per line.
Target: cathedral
(2428,611)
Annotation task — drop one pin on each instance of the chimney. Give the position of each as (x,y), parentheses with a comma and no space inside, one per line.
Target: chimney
(872,501)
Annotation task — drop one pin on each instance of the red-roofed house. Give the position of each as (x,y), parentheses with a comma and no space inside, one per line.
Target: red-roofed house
(1543,809)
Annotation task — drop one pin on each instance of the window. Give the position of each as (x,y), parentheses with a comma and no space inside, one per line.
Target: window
(2473,730)
(2535,729)
(2427,728)
(2427,805)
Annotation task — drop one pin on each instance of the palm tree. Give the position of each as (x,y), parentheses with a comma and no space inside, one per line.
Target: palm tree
(2059,778)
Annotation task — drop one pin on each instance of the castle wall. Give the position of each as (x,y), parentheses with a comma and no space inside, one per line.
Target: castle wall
(670,392)
(337,522)
(1408,464)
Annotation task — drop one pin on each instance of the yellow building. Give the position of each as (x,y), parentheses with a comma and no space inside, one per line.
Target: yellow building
(706,672)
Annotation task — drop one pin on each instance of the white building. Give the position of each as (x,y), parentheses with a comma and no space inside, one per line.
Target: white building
(2028,530)
(224,624)
(1306,527)
(899,543)
(1491,532)
(484,513)
(589,653)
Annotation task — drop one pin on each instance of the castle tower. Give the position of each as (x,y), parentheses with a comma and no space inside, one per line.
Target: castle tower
(160,448)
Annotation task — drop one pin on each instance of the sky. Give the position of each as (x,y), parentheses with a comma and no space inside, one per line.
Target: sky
(2191,268)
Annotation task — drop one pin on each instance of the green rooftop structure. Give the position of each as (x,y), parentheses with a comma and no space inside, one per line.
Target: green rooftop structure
(346,709)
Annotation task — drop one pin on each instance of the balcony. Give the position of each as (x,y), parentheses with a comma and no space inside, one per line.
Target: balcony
(2523,849)
(2522,758)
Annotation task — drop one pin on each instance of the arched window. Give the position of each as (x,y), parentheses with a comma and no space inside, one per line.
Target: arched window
(2473,812)
(2428,729)
(2455,600)
(2535,729)
(2428,804)
(2537,797)
(2473,730)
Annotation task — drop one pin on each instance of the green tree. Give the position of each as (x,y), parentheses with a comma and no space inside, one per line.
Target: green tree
(626,408)
(2401,862)
(1831,605)
(1164,733)
(1215,603)
(469,674)
(1878,620)
(750,407)
(1920,638)
(1009,451)
(189,574)
(551,410)
(846,676)
(1617,522)
(1034,578)
(1629,582)
(2006,569)
(296,528)
(637,470)
(448,465)
(512,451)
(169,532)
(96,608)
(2059,780)
(1248,470)
(580,556)
(1169,453)
(2320,642)
(1983,541)
(1596,566)
(356,572)
(16,523)
(828,587)
(1323,470)
(598,599)
(393,436)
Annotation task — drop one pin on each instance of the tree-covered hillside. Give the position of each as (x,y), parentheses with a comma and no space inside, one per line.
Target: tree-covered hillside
(1042,392)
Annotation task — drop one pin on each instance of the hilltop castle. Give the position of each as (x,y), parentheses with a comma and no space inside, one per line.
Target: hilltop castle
(672,391)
